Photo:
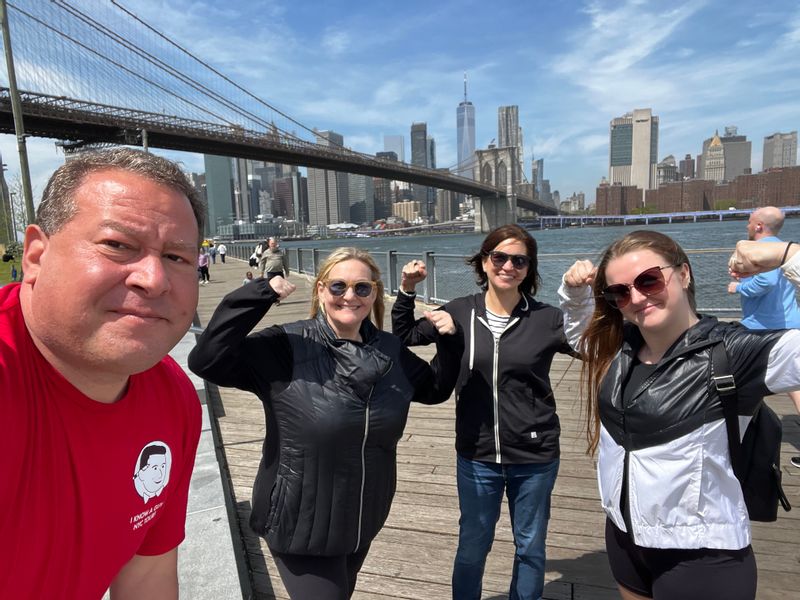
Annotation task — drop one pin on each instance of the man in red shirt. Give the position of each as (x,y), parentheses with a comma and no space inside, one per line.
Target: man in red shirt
(100,426)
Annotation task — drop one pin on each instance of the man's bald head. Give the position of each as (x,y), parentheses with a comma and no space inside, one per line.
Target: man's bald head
(765,221)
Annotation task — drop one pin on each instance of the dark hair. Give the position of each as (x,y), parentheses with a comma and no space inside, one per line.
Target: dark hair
(149,451)
(603,337)
(58,204)
(532,281)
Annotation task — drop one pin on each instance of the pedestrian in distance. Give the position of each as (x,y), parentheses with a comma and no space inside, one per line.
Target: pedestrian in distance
(507,429)
(222,250)
(336,392)
(755,257)
(100,425)
(768,298)
(677,524)
(202,267)
(212,253)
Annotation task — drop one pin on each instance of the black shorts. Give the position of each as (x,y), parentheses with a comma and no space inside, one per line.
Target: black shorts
(666,574)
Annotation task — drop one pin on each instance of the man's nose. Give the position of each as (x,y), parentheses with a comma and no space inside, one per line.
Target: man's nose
(149,275)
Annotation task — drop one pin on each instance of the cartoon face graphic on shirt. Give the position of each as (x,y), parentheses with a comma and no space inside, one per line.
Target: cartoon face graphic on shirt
(152,469)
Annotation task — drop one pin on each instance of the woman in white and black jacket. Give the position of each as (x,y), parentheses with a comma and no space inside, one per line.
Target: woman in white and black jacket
(507,428)
(336,392)
(677,523)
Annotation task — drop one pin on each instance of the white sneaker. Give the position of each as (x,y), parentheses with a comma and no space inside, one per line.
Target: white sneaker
(795,460)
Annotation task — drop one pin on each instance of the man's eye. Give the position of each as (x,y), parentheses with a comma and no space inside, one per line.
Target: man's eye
(115,244)
(175,258)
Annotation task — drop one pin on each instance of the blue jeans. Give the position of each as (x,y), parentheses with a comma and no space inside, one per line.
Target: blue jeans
(480,494)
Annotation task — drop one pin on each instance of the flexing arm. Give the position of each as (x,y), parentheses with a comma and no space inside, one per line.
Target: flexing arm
(751,258)
(433,383)
(576,300)
(413,332)
(151,577)
(224,353)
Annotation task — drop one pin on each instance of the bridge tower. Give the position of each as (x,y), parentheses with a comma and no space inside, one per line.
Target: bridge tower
(498,167)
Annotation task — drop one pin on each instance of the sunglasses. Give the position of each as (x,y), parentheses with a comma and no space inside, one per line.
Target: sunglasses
(362,289)
(647,283)
(518,261)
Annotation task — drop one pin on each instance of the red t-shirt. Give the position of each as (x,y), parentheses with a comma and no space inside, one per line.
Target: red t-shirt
(85,485)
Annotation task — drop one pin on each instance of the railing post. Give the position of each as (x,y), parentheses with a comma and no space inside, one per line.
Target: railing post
(391,272)
(298,259)
(315,261)
(430,280)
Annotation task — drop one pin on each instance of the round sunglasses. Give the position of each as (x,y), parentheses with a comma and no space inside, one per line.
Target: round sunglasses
(339,287)
(518,261)
(648,283)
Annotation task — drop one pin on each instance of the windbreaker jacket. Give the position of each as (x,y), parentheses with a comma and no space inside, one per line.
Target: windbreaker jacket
(505,408)
(670,440)
(335,411)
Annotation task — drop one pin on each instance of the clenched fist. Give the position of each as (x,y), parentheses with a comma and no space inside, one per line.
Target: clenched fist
(281,287)
(413,273)
(442,320)
(581,273)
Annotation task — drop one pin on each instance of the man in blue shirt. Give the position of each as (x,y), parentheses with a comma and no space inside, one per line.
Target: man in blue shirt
(768,299)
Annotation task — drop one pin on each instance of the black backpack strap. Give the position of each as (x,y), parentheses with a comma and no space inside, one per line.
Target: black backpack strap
(723,382)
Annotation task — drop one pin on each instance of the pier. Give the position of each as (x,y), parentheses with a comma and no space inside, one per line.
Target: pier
(412,556)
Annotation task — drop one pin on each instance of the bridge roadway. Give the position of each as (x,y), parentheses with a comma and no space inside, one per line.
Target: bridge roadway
(412,556)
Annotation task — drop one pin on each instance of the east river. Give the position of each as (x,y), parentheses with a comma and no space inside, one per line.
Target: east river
(708,244)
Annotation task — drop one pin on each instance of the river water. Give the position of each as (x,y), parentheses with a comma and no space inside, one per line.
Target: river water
(708,244)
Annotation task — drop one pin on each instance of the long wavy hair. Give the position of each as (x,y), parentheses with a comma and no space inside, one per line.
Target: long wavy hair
(494,238)
(603,337)
(340,255)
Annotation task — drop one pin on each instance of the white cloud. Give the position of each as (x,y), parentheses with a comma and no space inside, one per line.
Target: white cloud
(336,41)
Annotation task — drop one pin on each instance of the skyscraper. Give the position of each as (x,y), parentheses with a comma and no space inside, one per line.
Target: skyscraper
(219,191)
(465,129)
(780,150)
(633,149)
(361,192)
(686,169)
(737,151)
(509,133)
(537,175)
(396,144)
(328,201)
(420,154)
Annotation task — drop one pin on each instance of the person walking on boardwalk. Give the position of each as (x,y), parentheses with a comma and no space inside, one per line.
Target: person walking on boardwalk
(100,426)
(202,267)
(222,250)
(273,261)
(507,429)
(336,392)
(677,525)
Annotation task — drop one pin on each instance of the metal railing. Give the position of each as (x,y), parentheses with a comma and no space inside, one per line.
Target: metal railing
(450,277)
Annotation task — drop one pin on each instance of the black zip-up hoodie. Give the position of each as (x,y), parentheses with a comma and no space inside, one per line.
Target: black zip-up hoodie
(505,408)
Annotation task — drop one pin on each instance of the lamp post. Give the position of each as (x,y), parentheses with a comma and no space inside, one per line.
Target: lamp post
(13,218)
(16,110)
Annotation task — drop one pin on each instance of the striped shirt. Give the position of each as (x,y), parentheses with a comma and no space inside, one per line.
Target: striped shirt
(497,323)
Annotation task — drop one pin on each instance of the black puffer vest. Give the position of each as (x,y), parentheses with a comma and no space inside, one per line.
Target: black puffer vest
(338,422)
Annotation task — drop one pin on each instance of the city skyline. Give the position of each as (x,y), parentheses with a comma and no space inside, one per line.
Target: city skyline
(700,66)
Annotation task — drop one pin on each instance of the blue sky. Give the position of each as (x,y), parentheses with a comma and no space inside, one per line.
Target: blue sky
(570,67)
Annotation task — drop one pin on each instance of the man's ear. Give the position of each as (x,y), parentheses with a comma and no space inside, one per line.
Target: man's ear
(36,243)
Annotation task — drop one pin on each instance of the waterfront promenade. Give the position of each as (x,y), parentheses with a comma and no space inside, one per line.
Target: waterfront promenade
(412,556)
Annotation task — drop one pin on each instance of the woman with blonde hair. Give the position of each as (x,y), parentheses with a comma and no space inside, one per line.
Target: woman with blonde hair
(336,391)
(677,525)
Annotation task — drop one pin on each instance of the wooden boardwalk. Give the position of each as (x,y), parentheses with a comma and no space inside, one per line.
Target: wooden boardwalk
(412,556)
